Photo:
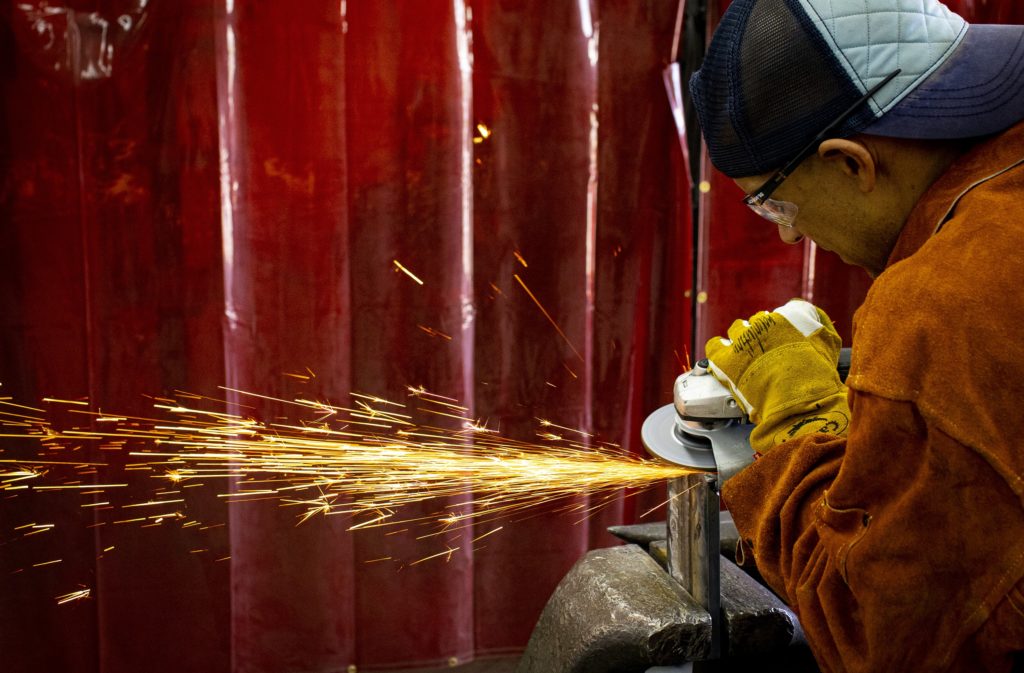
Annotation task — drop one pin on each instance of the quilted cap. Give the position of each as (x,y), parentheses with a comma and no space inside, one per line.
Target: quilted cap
(777,72)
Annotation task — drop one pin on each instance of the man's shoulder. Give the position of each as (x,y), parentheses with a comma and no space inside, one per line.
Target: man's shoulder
(939,328)
(963,286)
(972,263)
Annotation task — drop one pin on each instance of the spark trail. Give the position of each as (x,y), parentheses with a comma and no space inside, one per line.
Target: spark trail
(369,461)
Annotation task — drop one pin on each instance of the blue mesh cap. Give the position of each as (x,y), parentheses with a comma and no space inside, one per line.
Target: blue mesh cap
(777,72)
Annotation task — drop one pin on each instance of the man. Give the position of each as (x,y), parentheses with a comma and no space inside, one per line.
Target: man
(889,514)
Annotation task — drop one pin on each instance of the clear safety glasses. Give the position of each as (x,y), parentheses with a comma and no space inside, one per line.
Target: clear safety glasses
(783,213)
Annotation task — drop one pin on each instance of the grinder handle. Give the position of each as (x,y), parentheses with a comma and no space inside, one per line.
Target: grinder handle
(844,364)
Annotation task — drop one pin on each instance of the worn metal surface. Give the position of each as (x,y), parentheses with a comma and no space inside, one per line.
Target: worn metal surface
(693,548)
(728,536)
(616,611)
(755,620)
(642,534)
(645,534)
(659,552)
(613,612)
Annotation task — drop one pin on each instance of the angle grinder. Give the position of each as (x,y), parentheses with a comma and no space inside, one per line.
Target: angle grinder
(705,428)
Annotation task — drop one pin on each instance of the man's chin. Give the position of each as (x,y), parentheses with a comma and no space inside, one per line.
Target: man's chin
(850,262)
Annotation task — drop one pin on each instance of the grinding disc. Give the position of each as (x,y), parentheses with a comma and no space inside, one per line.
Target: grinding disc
(662,439)
(713,448)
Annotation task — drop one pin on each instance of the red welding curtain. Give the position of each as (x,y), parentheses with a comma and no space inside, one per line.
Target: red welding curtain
(201,193)
(214,192)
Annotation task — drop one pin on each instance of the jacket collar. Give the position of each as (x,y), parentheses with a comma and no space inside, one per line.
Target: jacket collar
(987,160)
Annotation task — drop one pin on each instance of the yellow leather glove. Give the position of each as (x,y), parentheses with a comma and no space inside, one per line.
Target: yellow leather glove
(781,368)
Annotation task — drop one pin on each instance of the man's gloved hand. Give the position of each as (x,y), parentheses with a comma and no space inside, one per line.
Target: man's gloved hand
(781,368)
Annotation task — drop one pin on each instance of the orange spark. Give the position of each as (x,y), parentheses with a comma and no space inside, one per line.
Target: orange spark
(547,315)
(60,401)
(399,267)
(73,596)
(490,532)
(548,424)
(433,332)
(447,552)
(484,132)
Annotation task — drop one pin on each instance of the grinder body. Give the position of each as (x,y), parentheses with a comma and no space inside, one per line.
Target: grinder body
(704,428)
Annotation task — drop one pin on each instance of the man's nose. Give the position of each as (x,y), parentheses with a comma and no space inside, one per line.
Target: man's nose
(790,234)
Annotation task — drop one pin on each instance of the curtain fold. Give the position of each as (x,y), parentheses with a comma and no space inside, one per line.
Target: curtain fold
(284,225)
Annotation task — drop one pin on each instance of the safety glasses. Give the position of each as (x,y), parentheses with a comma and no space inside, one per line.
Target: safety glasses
(783,213)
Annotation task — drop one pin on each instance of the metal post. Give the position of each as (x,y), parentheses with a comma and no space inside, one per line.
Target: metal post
(693,544)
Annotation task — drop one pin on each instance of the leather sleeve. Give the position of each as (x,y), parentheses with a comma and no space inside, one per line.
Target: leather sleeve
(895,545)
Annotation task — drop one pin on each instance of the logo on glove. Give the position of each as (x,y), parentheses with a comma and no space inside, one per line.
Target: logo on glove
(829,423)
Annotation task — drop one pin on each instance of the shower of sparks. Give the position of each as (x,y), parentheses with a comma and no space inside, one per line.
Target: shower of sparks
(368,461)
(547,315)
(399,267)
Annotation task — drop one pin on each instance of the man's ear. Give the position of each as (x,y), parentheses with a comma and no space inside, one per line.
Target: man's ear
(853,159)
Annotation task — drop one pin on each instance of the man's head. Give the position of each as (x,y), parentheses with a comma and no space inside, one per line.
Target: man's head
(848,111)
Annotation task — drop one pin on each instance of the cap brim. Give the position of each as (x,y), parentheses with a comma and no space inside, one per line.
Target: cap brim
(978,91)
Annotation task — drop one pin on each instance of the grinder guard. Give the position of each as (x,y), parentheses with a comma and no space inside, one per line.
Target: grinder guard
(704,428)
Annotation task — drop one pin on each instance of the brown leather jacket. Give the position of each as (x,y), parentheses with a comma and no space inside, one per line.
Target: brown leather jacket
(901,546)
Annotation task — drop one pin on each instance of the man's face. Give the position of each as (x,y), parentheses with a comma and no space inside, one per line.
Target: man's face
(834,212)
(820,222)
